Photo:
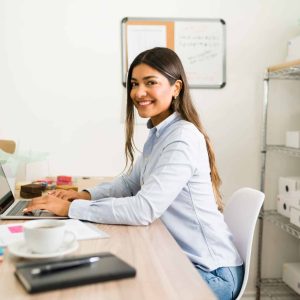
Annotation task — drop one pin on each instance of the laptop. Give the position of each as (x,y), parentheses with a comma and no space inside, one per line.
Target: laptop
(12,209)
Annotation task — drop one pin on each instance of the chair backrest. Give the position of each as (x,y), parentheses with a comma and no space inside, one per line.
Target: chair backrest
(8,146)
(241,213)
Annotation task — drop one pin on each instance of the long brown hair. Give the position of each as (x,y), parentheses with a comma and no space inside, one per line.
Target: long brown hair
(167,62)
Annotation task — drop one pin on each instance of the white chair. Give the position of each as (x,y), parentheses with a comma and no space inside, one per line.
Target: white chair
(240,214)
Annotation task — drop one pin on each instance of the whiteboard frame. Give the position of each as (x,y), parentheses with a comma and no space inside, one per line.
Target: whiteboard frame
(216,85)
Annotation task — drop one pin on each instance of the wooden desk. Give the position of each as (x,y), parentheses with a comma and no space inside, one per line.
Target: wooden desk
(163,270)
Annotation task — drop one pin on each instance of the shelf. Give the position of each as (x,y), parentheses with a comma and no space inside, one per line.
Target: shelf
(284,150)
(288,70)
(276,289)
(272,288)
(281,221)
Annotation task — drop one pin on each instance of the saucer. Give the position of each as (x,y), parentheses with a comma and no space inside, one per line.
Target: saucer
(19,248)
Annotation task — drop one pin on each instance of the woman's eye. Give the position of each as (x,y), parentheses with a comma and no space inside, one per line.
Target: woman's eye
(151,82)
(133,84)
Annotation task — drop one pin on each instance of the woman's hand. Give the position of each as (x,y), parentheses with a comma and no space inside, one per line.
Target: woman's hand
(51,203)
(70,195)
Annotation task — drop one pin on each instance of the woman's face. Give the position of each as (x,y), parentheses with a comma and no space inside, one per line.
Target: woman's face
(152,93)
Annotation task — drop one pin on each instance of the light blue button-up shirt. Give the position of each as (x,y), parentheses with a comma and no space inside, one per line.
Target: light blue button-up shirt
(171,181)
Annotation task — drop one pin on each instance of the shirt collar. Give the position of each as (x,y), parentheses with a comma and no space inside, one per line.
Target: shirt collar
(158,129)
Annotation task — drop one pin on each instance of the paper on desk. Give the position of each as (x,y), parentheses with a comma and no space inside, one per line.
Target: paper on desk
(83,231)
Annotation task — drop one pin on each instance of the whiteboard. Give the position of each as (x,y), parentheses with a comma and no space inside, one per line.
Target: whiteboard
(199,43)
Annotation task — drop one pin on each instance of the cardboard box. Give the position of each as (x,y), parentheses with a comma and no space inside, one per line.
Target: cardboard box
(292,139)
(288,184)
(291,275)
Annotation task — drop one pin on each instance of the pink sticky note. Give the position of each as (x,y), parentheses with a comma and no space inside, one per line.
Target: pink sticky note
(15,228)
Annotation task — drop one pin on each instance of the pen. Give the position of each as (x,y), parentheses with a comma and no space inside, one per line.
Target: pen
(49,268)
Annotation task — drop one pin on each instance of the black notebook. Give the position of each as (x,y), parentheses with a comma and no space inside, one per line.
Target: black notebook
(108,267)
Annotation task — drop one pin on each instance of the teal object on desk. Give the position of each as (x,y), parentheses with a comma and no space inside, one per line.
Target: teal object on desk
(1,253)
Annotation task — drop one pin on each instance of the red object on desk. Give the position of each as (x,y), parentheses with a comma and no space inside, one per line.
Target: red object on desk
(64,180)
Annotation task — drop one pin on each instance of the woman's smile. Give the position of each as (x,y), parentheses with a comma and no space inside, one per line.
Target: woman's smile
(144,102)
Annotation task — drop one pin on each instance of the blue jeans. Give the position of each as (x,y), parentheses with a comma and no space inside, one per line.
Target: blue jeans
(225,282)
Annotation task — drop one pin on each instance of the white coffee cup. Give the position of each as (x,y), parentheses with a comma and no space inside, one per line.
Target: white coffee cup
(46,236)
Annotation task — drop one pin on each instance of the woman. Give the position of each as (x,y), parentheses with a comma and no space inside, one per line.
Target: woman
(175,179)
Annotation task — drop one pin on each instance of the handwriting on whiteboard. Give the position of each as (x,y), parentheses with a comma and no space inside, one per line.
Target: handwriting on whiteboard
(200,47)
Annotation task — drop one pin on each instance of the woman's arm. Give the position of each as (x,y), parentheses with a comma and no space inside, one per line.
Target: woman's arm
(58,201)
(174,168)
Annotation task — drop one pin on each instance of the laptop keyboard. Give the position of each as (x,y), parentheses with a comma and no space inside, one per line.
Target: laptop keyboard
(18,210)
(20,205)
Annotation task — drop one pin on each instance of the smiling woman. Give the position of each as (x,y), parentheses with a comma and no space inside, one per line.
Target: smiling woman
(175,179)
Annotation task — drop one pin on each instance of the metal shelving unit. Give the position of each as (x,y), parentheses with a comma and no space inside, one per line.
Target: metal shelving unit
(281,222)
(275,288)
(290,70)
(284,150)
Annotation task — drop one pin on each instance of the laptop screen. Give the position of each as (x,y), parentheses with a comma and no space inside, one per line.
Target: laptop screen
(6,196)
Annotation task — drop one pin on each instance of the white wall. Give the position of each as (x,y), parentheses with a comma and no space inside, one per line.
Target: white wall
(60,80)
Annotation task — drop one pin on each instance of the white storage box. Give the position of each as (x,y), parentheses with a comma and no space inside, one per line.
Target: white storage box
(288,184)
(283,205)
(295,216)
(294,199)
(292,139)
(291,276)
(293,49)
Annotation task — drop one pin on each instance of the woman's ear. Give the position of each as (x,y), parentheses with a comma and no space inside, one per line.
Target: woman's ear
(177,87)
